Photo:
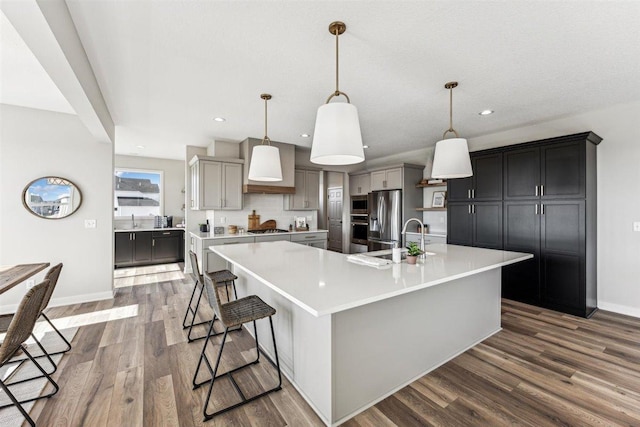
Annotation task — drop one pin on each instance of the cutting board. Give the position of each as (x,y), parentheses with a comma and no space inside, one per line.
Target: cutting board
(269,224)
(254,221)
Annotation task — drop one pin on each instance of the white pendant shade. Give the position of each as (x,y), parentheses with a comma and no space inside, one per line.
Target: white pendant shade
(451,159)
(337,139)
(265,164)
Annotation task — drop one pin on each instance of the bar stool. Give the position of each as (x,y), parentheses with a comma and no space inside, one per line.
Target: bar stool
(222,278)
(233,314)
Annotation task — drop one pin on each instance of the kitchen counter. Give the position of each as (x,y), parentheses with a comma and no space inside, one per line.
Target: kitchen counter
(209,261)
(210,235)
(131,230)
(348,334)
(327,282)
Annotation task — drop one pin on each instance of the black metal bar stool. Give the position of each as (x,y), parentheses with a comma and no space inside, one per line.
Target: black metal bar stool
(234,314)
(222,278)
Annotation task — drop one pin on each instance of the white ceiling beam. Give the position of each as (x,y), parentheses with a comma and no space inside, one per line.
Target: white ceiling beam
(48,30)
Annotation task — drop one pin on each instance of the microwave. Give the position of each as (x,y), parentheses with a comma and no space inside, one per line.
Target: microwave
(359,205)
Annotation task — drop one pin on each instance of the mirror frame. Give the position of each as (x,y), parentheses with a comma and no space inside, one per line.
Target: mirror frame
(65,182)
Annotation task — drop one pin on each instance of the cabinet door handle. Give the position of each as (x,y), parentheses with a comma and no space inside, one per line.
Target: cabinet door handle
(542,191)
(130,236)
(469,206)
(166,233)
(192,203)
(473,193)
(536,192)
(469,194)
(536,209)
(153,242)
(384,184)
(541,209)
(134,236)
(473,209)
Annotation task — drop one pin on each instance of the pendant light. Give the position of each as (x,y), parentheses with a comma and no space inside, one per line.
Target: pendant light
(265,158)
(451,159)
(337,139)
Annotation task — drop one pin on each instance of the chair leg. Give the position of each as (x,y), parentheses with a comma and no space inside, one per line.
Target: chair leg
(44,375)
(59,334)
(214,376)
(186,313)
(193,318)
(17,404)
(275,351)
(203,356)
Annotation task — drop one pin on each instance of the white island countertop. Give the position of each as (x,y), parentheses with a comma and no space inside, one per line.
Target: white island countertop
(323,282)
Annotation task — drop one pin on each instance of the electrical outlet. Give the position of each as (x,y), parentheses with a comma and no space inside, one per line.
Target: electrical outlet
(89,223)
(223,220)
(31,283)
(636,226)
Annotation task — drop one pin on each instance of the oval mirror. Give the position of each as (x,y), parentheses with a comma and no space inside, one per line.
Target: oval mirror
(51,197)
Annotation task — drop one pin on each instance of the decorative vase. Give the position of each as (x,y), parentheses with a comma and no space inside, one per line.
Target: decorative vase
(411,259)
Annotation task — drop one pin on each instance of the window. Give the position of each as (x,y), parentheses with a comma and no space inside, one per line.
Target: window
(137,192)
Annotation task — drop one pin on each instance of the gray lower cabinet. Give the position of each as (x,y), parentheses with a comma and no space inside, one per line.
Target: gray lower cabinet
(148,247)
(317,240)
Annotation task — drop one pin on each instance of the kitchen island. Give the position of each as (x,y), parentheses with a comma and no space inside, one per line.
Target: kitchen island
(349,335)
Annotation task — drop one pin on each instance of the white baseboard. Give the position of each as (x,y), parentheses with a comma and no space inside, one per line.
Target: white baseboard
(620,309)
(57,302)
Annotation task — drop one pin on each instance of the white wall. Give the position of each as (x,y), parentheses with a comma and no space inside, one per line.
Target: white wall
(36,143)
(174,188)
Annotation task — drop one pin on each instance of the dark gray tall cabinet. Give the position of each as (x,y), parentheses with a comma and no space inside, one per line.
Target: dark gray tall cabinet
(549,204)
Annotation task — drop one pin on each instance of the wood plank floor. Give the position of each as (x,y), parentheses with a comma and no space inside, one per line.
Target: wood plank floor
(543,369)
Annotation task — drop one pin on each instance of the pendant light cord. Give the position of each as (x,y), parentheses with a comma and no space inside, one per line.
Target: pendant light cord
(266,138)
(337,92)
(451,129)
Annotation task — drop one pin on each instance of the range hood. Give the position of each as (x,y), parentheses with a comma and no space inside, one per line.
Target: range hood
(287,161)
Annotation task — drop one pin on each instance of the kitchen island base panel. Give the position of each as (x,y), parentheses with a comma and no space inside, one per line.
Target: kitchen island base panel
(304,343)
(345,362)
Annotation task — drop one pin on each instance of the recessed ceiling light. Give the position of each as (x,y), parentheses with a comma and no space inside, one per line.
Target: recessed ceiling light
(365,146)
(139,146)
(485,112)
(305,135)
(220,119)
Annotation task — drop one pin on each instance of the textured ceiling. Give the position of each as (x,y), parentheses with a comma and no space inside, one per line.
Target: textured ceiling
(167,68)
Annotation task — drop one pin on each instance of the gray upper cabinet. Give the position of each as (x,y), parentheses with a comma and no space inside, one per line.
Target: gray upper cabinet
(360,185)
(388,179)
(215,184)
(307,195)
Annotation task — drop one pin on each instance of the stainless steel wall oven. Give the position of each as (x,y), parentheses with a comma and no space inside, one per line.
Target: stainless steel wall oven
(359,228)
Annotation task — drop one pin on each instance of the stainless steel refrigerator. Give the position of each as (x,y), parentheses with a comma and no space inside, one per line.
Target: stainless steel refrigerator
(385,219)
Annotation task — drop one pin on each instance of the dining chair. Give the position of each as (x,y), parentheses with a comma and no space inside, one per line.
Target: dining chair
(52,276)
(19,330)
(234,314)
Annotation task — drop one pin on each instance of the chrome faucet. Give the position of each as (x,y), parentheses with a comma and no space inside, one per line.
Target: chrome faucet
(423,255)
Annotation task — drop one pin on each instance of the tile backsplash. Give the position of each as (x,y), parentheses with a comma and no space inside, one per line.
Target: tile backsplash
(268,206)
